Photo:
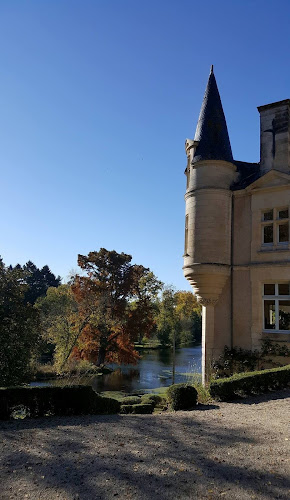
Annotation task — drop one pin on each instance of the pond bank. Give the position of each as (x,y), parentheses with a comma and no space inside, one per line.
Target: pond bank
(226,450)
(156,368)
(51,374)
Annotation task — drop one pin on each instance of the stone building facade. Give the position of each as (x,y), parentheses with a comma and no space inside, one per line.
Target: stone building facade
(237,246)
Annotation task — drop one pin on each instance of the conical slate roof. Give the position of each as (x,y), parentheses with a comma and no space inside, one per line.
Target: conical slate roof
(211,131)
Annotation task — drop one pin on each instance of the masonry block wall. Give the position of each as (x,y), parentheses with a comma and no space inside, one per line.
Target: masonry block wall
(237,248)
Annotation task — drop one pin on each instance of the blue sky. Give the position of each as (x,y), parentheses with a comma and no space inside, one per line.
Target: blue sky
(97,99)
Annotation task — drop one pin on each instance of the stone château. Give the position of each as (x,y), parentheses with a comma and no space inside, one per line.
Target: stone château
(237,249)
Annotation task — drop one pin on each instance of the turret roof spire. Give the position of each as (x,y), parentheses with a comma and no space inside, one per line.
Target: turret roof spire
(211,131)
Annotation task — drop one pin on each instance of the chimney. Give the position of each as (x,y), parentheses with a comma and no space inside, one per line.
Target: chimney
(275,136)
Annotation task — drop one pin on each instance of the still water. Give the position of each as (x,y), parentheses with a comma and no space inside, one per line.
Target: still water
(155,369)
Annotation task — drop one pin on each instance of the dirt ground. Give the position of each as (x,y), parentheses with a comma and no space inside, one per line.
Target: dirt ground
(225,450)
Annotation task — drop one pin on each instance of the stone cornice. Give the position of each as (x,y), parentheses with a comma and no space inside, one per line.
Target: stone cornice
(192,192)
(207,266)
(207,302)
(214,163)
(281,263)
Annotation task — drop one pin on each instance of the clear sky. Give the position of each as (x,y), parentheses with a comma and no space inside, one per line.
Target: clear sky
(97,99)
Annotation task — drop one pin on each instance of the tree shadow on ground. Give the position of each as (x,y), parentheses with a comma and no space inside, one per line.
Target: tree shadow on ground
(206,407)
(263,398)
(137,457)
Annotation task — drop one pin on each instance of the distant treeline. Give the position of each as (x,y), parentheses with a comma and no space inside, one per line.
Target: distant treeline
(98,316)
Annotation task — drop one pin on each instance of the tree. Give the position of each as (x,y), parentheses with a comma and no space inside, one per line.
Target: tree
(38,281)
(167,319)
(114,305)
(18,327)
(179,318)
(61,324)
(188,311)
(145,306)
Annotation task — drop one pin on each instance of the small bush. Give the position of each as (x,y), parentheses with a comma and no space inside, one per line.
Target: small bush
(125,409)
(182,396)
(137,408)
(235,360)
(131,400)
(244,384)
(153,399)
(142,408)
(42,401)
(203,395)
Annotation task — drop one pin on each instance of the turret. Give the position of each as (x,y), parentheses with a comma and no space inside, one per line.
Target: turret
(210,172)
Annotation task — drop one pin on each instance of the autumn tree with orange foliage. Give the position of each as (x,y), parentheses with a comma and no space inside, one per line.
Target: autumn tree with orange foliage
(114,300)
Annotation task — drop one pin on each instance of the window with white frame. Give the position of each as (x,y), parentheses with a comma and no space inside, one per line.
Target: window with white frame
(275,227)
(276,306)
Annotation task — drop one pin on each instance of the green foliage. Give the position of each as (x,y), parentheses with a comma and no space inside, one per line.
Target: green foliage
(179,318)
(18,327)
(37,280)
(152,399)
(235,360)
(250,383)
(144,404)
(238,360)
(126,409)
(42,401)
(139,408)
(61,324)
(167,322)
(131,400)
(188,312)
(142,408)
(203,394)
(274,349)
(182,396)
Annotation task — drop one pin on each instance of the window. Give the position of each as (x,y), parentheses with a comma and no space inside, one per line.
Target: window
(275,227)
(186,236)
(187,177)
(276,301)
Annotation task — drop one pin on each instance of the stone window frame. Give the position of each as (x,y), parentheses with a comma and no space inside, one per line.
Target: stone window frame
(276,297)
(275,222)
(186,236)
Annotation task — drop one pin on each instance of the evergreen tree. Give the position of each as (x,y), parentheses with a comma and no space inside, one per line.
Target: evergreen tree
(18,326)
(38,281)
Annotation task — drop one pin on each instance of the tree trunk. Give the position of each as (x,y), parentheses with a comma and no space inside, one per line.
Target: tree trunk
(101,356)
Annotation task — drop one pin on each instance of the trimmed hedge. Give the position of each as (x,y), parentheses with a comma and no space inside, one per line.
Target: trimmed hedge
(42,401)
(182,396)
(153,399)
(126,409)
(140,408)
(131,400)
(244,384)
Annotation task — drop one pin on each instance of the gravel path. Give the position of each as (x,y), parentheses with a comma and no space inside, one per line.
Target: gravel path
(228,450)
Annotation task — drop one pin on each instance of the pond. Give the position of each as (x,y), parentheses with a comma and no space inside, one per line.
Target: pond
(154,370)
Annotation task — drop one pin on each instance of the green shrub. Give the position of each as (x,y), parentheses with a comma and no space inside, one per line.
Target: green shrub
(250,383)
(125,409)
(235,360)
(182,396)
(41,401)
(142,408)
(137,408)
(203,395)
(131,400)
(153,399)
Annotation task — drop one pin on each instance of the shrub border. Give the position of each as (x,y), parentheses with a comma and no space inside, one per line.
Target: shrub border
(67,400)
(244,384)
